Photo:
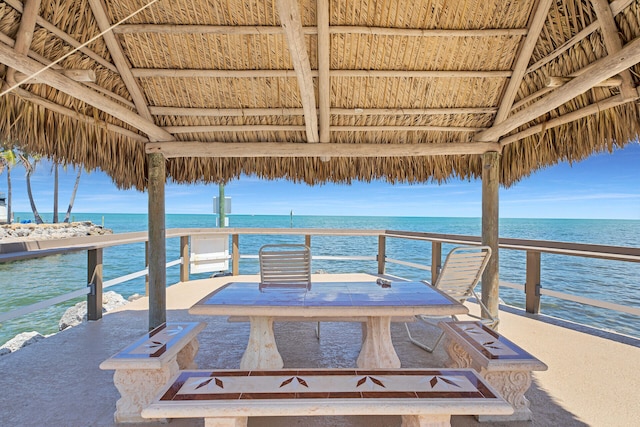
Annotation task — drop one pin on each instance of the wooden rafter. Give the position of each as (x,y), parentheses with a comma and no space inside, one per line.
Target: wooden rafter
(598,71)
(24,36)
(611,102)
(54,79)
(17,5)
(616,7)
(119,59)
(613,43)
(289,13)
(334,150)
(324,82)
(523,59)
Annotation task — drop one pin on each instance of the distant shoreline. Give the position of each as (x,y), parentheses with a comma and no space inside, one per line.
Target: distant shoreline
(19,232)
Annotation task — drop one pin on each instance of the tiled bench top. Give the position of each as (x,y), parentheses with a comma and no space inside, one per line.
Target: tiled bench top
(154,348)
(489,348)
(232,393)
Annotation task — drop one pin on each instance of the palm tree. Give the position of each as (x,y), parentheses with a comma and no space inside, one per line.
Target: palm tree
(7,161)
(30,167)
(73,194)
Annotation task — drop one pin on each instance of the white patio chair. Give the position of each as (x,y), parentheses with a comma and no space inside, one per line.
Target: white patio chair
(459,276)
(286,266)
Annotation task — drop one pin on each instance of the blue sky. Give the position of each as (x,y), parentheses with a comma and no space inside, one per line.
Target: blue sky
(603,186)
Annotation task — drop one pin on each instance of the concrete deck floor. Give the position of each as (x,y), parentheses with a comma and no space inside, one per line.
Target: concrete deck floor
(591,381)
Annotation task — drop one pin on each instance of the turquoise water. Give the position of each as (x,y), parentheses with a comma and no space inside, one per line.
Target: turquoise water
(26,282)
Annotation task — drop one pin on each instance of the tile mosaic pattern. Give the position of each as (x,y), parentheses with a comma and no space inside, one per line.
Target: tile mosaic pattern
(327,384)
(489,343)
(158,341)
(329,294)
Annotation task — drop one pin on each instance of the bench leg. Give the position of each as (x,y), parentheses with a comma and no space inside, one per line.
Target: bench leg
(512,386)
(226,422)
(261,352)
(377,349)
(187,354)
(458,356)
(435,420)
(137,389)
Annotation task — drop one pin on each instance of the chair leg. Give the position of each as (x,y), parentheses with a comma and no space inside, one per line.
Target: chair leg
(421,345)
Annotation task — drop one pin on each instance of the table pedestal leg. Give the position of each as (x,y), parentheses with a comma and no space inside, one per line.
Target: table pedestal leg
(261,352)
(377,349)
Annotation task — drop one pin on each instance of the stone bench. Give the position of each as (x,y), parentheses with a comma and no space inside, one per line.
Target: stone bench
(423,397)
(148,364)
(503,364)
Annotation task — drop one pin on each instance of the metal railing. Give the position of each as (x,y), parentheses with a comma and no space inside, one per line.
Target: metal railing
(95,245)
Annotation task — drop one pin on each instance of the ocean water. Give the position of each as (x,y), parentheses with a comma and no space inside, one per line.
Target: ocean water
(26,282)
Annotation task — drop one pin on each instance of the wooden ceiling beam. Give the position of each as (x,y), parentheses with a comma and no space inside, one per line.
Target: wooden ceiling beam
(612,41)
(17,5)
(333,150)
(289,13)
(299,128)
(266,30)
(121,63)
(598,71)
(524,56)
(75,75)
(324,67)
(616,6)
(28,66)
(253,74)
(252,112)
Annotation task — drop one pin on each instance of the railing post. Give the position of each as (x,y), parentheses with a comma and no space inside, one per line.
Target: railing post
(382,253)
(184,253)
(146,265)
(94,278)
(436,260)
(532,284)
(307,240)
(235,255)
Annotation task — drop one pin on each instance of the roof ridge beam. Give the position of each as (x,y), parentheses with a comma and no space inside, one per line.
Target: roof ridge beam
(598,71)
(56,80)
(333,150)
(289,13)
(121,63)
(524,56)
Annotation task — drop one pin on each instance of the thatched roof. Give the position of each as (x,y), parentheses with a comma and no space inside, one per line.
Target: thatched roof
(319,90)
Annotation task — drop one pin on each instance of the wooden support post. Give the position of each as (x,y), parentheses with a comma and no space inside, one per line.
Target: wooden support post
(532,284)
(235,256)
(382,253)
(436,260)
(490,232)
(307,240)
(184,253)
(157,241)
(94,278)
